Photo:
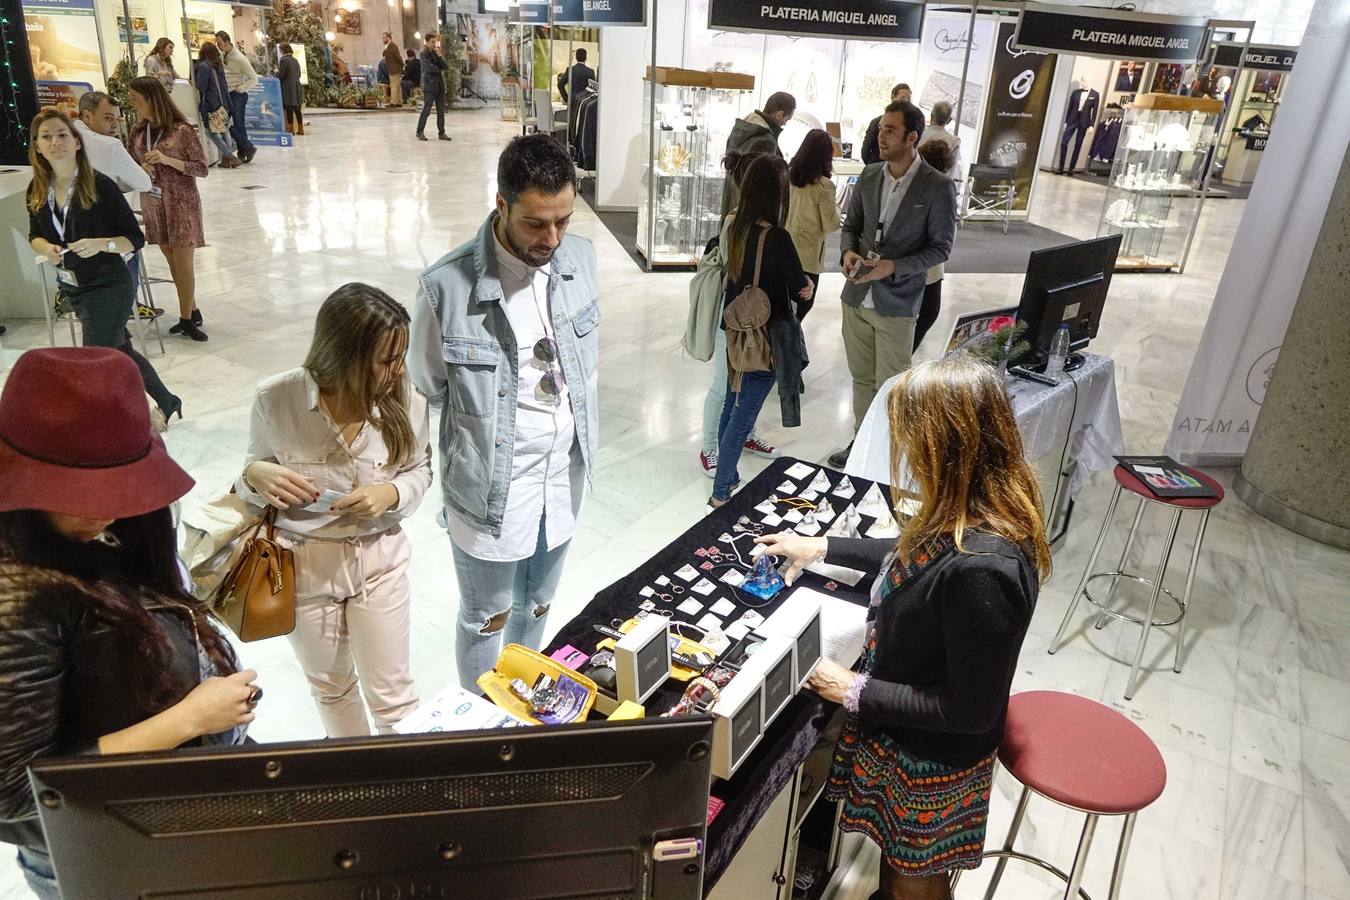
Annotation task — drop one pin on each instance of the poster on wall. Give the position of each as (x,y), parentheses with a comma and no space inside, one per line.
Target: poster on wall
(866,20)
(140,27)
(64,95)
(941,58)
(348,21)
(870,71)
(808,69)
(63,40)
(198,30)
(264,117)
(706,50)
(486,52)
(1014,117)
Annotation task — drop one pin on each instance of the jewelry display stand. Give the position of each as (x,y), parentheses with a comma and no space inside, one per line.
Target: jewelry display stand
(1157,182)
(680,203)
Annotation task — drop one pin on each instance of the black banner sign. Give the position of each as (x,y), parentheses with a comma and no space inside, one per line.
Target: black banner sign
(868,20)
(1257,141)
(1267,58)
(599,12)
(1111,33)
(1014,114)
(530,12)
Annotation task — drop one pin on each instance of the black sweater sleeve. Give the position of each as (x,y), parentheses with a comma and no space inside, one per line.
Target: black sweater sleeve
(871,147)
(981,600)
(864,554)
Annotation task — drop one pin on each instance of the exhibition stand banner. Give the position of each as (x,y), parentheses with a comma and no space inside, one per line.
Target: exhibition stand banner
(63,40)
(65,95)
(1014,116)
(264,116)
(599,12)
(1113,34)
(528,12)
(1265,57)
(867,20)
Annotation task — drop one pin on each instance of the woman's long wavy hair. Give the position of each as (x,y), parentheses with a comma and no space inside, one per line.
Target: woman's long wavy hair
(163,113)
(953,427)
(764,197)
(43,176)
(110,582)
(347,334)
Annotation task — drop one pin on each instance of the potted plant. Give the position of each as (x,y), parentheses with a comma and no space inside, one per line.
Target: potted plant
(370,98)
(349,96)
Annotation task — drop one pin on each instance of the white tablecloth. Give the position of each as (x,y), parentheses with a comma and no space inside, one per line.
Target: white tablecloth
(1045,415)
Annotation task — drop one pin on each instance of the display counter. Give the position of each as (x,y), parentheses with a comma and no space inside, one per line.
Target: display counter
(22,296)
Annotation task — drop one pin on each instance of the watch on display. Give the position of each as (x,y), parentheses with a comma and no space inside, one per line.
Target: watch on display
(112,246)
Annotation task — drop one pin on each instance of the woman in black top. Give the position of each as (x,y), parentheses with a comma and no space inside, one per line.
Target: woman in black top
(102,648)
(948,614)
(81,223)
(759,250)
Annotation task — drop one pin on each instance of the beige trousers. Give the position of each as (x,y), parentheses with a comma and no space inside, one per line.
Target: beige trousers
(395,89)
(352,605)
(877,347)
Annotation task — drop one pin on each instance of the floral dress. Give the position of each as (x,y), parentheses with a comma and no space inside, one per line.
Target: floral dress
(174,218)
(926,817)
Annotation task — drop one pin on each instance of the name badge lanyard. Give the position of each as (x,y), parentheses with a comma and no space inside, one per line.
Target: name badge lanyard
(59,221)
(885,198)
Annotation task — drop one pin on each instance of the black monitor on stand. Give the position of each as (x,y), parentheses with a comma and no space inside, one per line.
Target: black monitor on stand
(1065,285)
(615,810)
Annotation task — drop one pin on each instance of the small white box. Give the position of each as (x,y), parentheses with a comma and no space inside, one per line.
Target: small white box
(738,722)
(772,664)
(798,619)
(642,659)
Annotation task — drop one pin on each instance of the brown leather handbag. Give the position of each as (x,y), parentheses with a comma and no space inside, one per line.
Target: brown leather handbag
(257,598)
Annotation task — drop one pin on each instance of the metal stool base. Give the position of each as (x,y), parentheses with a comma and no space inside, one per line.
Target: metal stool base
(1035,861)
(1126,617)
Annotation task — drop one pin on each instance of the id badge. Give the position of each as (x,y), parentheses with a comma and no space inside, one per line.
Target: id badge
(155,192)
(67,277)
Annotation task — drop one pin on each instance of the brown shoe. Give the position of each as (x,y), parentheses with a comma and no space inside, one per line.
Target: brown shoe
(230,162)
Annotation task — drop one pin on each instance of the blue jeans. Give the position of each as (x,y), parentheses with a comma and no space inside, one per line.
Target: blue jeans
(717,394)
(520,590)
(738,419)
(36,864)
(238,131)
(224,143)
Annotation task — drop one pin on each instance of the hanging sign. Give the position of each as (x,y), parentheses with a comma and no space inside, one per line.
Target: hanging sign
(599,12)
(868,20)
(531,12)
(1014,116)
(1267,58)
(1109,33)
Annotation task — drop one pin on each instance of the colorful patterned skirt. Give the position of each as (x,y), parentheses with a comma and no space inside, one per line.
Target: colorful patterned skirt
(927,818)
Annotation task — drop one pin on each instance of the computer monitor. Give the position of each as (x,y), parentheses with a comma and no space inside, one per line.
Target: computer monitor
(1065,285)
(604,809)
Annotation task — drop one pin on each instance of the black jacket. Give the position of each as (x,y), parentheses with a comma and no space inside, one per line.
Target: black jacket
(412,71)
(433,64)
(947,646)
(748,137)
(288,73)
(871,148)
(109,217)
(63,677)
(781,277)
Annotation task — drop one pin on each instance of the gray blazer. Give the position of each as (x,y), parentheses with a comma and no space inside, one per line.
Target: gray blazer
(918,238)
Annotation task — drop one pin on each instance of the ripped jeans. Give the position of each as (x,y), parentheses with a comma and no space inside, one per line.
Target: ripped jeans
(503,603)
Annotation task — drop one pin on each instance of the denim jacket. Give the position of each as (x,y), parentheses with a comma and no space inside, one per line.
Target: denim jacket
(462,355)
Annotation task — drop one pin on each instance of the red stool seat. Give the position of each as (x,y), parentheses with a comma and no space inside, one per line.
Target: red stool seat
(1080,753)
(1126,479)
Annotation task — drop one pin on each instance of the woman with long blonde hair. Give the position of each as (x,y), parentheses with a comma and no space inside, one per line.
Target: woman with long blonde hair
(341,447)
(927,703)
(80,223)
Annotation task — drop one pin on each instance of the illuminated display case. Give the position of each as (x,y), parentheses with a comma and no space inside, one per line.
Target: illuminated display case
(680,203)
(1156,189)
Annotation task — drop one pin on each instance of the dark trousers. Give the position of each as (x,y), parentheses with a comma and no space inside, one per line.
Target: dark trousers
(408,88)
(928,311)
(238,131)
(804,306)
(295,120)
(438,99)
(103,310)
(1077,133)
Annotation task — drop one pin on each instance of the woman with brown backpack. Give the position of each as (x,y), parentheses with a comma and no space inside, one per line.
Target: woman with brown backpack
(765,344)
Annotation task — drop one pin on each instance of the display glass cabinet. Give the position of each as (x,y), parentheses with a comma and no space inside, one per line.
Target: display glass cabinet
(1157,183)
(680,203)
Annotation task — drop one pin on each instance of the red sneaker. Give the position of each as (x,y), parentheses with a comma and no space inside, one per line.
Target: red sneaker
(759,448)
(708,459)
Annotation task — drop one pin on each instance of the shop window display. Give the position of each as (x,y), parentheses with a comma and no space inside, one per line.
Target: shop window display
(679,208)
(1156,187)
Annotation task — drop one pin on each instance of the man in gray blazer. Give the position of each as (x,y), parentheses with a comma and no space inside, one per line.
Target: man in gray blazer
(900,222)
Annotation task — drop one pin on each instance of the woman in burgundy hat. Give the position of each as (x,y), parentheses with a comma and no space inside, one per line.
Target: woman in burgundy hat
(102,649)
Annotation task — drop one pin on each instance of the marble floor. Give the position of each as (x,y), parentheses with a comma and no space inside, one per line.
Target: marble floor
(1255,731)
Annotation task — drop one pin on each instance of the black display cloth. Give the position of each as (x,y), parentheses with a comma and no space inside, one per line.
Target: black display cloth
(797,729)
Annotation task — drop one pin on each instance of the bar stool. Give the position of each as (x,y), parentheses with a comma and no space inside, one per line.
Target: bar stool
(1125,480)
(147,300)
(1082,755)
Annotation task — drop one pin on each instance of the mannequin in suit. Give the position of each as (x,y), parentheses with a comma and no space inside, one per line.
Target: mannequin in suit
(1079,117)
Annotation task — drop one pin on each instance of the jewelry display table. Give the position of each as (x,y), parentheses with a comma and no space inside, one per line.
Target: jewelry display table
(761,785)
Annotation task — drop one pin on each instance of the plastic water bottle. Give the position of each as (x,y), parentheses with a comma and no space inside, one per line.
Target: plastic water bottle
(1059,353)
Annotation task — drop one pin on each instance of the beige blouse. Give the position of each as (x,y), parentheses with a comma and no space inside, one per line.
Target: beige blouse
(290,426)
(812,215)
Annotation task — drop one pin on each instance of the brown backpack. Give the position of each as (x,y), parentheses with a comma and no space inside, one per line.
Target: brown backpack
(746,318)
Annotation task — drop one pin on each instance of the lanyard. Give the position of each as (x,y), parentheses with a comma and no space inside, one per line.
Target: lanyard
(59,223)
(151,139)
(886,198)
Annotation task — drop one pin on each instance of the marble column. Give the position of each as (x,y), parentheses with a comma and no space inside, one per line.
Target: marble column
(1297,468)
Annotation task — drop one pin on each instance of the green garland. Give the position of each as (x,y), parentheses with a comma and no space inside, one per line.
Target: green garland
(998,347)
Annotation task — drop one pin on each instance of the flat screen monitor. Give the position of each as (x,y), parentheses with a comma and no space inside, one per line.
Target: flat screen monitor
(604,809)
(1065,285)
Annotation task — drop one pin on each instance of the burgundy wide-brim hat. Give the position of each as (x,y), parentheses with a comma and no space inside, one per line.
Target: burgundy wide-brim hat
(75,438)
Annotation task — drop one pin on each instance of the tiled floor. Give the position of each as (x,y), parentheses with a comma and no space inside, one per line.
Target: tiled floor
(1255,731)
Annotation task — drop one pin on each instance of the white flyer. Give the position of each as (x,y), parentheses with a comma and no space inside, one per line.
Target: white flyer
(709,622)
(690,607)
(723,607)
(688,573)
(455,709)
(733,577)
(704,587)
(799,471)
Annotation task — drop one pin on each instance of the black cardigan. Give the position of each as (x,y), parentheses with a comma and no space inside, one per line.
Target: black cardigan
(109,217)
(947,646)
